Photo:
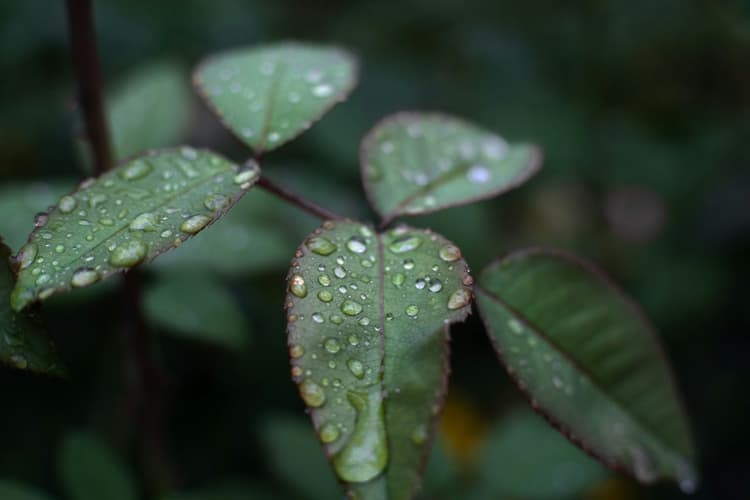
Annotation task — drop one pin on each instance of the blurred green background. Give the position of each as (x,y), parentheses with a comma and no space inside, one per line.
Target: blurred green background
(642,109)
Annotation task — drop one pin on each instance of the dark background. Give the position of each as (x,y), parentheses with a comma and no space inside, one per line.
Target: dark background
(642,109)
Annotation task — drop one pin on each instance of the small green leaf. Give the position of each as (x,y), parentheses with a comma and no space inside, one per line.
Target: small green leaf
(368,318)
(149,109)
(587,358)
(89,470)
(129,215)
(196,306)
(11,490)
(414,163)
(23,343)
(524,458)
(304,470)
(268,95)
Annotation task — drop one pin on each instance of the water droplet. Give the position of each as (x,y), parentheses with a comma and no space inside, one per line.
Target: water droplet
(215,202)
(26,255)
(44,278)
(245,176)
(194,224)
(478,174)
(325,296)
(516,326)
(436,286)
(296,351)
(312,393)
(351,308)
(353,340)
(324,280)
(332,345)
(557,382)
(449,253)
(459,299)
(356,367)
(297,286)
(67,204)
(135,170)
(144,222)
(336,319)
(420,284)
(405,243)
(419,435)
(97,200)
(322,90)
(398,279)
(329,433)
(84,276)
(356,245)
(408,264)
(317,317)
(339,272)
(128,254)
(365,455)
(412,310)
(364,321)
(321,246)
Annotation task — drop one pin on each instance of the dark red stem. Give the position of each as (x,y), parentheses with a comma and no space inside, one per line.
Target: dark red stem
(297,200)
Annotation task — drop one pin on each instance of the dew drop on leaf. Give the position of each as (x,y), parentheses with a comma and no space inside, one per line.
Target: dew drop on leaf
(194,224)
(404,244)
(450,253)
(332,345)
(329,433)
(351,308)
(297,286)
(84,276)
(128,254)
(365,455)
(459,299)
(321,246)
(144,222)
(312,393)
(67,204)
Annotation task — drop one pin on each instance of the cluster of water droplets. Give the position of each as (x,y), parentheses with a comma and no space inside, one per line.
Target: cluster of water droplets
(269,95)
(130,214)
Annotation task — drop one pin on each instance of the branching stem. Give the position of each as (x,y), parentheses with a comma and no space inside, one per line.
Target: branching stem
(297,200)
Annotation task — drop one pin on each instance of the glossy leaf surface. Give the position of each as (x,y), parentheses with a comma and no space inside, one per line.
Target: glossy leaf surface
(368,318)
(23,342)
(587,358)
(268,95)
(413,163)
(127,216)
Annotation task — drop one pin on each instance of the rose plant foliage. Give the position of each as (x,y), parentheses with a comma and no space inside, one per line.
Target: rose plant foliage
(369,307)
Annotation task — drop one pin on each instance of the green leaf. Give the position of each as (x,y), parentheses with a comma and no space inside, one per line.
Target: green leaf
(19,202)
(524,458)
(586,357)
(24,343)
(414,163)
(305,470)
(89,470)
(129,215)
(368,318)
(149,109)
(268,95)
(11,490)
(196,306)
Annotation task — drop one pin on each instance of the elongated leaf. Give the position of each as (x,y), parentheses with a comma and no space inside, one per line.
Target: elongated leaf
(91,471)
(368,318)
(23,344)
(11,490)
(414,163)
(129,215)
(196,306)
(588,359)
(524,458)
(270,94)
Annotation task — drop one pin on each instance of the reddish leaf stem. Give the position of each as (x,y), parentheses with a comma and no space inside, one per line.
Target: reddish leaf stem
(297,200)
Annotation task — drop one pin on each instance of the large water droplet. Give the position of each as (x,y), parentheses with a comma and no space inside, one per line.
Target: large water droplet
(405,243)
(244,177)
(332,345)
(324,280)
(329,433)
(459,299)
(317,317)
(297,286)
(325,296)
(449,253)
(478,174)
(435,286)
(27,254)
(135,170)
(356,245)
(84,276)
(194,224)
(296,351)
(321,246)
(398,279)
(144,222)
(128,254)
(312,393)
(215,202)
(365,455)
(351,308)
(412,310)
(356,367)
(67,204)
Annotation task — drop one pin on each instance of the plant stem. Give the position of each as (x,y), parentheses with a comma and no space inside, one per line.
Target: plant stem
(297,200)
(86,65)
(146,389)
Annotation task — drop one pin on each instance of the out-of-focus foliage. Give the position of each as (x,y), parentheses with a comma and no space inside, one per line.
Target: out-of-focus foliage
(641,109)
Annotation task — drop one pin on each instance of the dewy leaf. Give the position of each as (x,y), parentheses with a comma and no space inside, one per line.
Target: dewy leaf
(196,306)
(368,318)
(129,215)
(414,163)
(270,94)
(23,343)
(90,470)
(587,358)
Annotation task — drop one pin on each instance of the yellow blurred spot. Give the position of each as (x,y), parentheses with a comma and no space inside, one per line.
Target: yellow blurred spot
(463,428)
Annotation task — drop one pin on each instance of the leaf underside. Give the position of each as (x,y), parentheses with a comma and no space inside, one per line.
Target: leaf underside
(368,318)
(588,360)
(129,215)
(414,163)
(23,341)
(268,95)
